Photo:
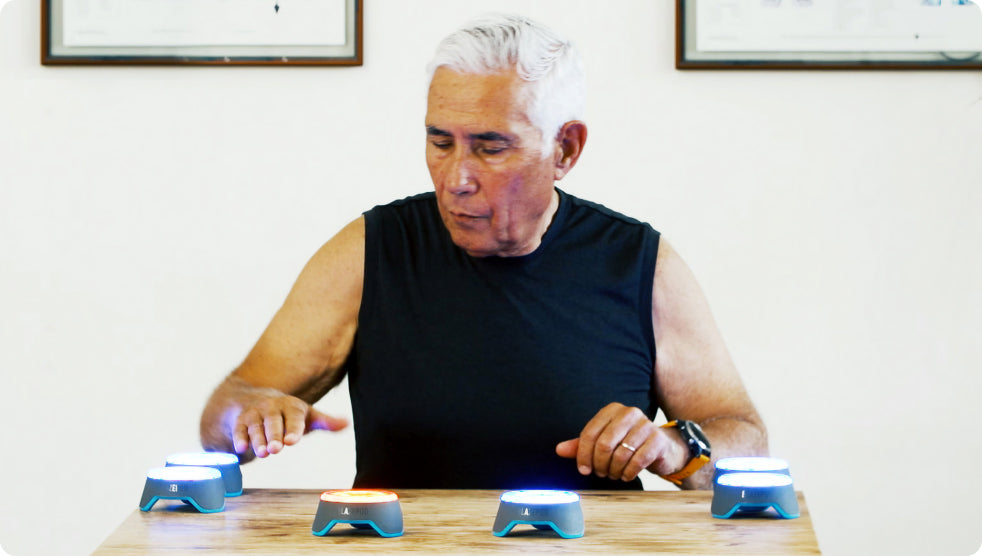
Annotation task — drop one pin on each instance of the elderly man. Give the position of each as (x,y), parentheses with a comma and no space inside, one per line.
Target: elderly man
(498,332)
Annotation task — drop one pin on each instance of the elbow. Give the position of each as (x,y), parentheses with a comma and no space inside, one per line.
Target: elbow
(763,445)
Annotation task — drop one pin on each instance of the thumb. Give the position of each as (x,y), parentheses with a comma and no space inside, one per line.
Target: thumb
(568,448)
(324,422)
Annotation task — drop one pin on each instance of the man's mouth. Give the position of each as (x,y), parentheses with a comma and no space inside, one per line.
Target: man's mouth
(466,215)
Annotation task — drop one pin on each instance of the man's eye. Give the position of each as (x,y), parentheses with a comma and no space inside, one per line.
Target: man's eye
(442,145)
(492,150)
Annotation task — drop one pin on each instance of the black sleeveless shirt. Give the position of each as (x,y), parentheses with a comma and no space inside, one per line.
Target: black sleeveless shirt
(468,371)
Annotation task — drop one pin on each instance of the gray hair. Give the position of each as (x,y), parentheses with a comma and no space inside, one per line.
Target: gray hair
(548,62)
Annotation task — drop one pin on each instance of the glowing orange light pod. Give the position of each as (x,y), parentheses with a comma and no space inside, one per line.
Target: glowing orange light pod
(359,496)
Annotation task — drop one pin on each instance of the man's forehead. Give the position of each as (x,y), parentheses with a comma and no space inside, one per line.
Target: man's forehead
(494,100)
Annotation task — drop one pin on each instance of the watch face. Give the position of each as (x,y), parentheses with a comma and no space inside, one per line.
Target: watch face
(698,436)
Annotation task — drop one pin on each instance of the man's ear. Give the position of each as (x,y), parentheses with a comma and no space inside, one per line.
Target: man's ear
(570,142)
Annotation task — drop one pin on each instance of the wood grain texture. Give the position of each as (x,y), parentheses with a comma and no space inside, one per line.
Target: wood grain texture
(279,521)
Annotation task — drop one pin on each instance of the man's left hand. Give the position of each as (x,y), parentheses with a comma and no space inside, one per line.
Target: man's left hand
(620,441)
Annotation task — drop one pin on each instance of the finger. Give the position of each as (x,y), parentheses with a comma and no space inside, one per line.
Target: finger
(612,437)
(294,424)
(588,438)
(627,449)
(321,421)
(240,436)
(273,427)
(643,457)
(568,448)
(252,421)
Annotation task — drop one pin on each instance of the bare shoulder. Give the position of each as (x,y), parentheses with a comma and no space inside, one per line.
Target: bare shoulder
(340,261)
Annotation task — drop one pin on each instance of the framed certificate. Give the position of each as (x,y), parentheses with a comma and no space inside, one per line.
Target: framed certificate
(204,32)
(828,34)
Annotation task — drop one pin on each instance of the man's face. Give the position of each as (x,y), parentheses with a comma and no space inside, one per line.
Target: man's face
(493,186)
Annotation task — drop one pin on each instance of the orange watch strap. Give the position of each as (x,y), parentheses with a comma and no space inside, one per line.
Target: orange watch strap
(693,465)
(690,468)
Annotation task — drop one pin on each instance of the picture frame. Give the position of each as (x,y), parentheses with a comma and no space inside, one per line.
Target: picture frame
(202,32)
(828,34)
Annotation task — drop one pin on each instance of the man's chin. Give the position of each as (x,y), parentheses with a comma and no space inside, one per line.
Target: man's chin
(474,244)
(476,249)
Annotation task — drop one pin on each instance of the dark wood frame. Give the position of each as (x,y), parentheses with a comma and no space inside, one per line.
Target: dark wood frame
(352,59)
(915,61)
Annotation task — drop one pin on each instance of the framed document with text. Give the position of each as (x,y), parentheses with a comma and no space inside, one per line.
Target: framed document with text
(203,32)
(828,34)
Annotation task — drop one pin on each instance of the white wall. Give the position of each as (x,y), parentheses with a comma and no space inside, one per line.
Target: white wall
(152,220)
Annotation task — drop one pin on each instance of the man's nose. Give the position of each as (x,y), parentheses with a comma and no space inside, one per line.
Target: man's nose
(461,176)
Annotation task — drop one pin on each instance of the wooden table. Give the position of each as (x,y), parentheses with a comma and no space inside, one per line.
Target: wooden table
(279,521)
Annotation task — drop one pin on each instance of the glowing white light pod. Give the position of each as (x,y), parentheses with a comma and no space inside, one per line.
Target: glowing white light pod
(226,464)
(540,497)
(755,480)
(753,465)
(202,459)
(184,474)
(754,493)
(750,465)
(201,487)
(558,510)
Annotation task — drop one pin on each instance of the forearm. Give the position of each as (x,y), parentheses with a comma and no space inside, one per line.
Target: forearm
(729,437)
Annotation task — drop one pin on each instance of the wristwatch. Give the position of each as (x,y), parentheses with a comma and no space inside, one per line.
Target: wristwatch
(698,449)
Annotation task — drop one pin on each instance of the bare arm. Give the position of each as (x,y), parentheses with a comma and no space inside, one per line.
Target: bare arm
(265,403)
(695,379)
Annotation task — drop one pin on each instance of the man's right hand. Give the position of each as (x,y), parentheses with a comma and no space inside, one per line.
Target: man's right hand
(260,421)
(275,420)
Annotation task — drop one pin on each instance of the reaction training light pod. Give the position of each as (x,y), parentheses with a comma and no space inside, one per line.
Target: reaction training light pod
(753,493)
(558,510)
(750,465)
(226,464)
(363,509)
(202,487)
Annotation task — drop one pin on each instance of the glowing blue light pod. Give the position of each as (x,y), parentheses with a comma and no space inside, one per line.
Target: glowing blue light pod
(754,493)
(558,510)
(227,464)
(201,487)
(751,465)
(362,509)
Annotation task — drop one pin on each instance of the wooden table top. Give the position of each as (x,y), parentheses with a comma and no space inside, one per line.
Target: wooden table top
(263,521)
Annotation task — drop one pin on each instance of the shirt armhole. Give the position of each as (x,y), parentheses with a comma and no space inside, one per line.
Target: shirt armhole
(650,255)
